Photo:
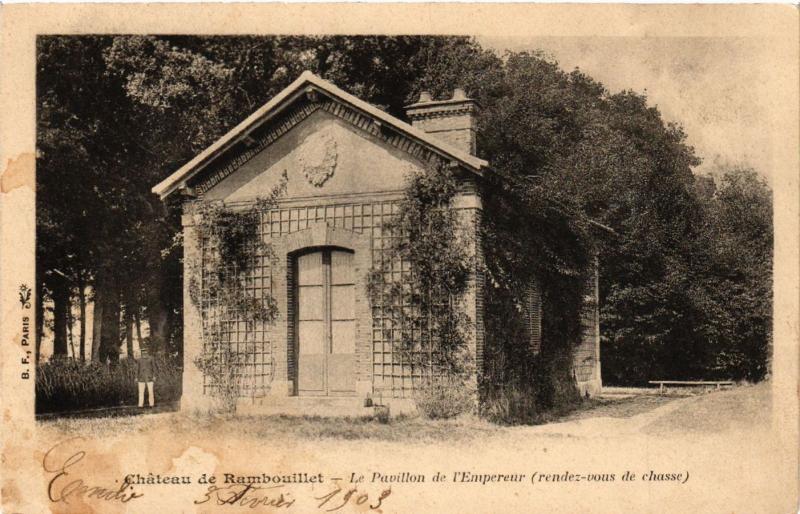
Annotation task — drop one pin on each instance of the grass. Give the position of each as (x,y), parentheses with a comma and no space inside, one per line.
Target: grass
(286,427)
(716,411)
(64,385)
(400,428)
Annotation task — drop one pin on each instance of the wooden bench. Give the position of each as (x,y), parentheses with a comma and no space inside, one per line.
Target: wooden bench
(662,383)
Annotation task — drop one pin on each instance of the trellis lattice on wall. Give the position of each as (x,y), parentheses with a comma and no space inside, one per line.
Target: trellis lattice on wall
(391,373)
(249,339)
(394,373)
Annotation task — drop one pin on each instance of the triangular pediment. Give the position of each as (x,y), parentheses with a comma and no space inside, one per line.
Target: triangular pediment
(307,95)
(321,155)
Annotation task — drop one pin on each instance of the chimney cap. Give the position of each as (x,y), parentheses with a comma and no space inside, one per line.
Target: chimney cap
(426,100)
(459,94)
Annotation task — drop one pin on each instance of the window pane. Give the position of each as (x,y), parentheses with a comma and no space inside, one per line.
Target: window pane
(341,267)
(311,337)
(310,302)
(309,269)
(342,302)
(343,337)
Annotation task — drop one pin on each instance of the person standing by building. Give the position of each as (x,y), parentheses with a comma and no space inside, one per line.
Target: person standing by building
(145,377)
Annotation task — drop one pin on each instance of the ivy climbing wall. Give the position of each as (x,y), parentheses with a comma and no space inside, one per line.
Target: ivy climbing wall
(272,360)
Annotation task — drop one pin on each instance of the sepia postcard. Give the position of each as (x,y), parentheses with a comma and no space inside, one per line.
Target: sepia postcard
(399,258)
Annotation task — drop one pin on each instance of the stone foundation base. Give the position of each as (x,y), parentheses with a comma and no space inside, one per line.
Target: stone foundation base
(329,406)
(196,403)
(592,387)
(281,388)
(363,388)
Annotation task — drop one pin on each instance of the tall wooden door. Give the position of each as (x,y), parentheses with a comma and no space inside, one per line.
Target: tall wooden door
(325,323)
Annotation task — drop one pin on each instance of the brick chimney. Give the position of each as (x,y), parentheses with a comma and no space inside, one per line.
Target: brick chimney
(452,121)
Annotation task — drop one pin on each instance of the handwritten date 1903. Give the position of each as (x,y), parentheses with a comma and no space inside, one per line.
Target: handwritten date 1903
(334,500)
(253,496)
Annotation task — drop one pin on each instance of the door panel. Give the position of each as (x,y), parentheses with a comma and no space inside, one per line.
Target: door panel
(341,373)
(311,374)
(343,337)
(311,303)
(311,356)
(311,329)
(312,337)
(341,267)
(326,323)
(309,269)
(343,302)
(342,359)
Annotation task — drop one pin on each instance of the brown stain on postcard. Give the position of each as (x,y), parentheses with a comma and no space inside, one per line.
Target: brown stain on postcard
(19,172)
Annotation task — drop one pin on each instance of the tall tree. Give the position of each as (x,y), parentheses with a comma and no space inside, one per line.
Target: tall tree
(738,274)
(60,317)
(82,313)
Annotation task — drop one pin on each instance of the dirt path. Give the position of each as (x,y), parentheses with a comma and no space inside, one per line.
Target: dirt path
(737,409)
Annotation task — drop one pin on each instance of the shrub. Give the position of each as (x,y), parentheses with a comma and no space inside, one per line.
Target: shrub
(68,385)
(223,369)
(382,414)
(519,404)
(511,405)
(444,397)
(536,390)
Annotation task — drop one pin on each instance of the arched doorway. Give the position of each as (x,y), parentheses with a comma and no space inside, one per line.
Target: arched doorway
(325,322)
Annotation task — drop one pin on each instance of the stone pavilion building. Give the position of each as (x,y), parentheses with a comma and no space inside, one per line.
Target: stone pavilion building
(346,163)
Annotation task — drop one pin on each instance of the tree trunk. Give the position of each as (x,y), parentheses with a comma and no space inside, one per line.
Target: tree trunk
(164,302)
(157,317)
(137,319)
(97,321)
(129,330)
(60,308)
(82,306)
(109,338)
(70,322)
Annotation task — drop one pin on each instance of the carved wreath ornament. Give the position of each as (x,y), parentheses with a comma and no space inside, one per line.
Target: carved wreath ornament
(318,158)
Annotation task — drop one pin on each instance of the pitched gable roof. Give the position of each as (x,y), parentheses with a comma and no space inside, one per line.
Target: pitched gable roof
(305,82)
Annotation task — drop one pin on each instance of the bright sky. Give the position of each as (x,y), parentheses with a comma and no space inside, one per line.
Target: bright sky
(714,87)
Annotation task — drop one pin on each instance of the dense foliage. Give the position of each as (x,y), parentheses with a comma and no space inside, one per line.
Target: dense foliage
(672,307)
(708,313)
(430,245)
(685,280)
(552,251)
(220,286)
(429,327)
(65,385)
(228,237)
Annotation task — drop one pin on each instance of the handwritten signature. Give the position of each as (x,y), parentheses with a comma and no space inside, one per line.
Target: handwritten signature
(61,461)
(63,486)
